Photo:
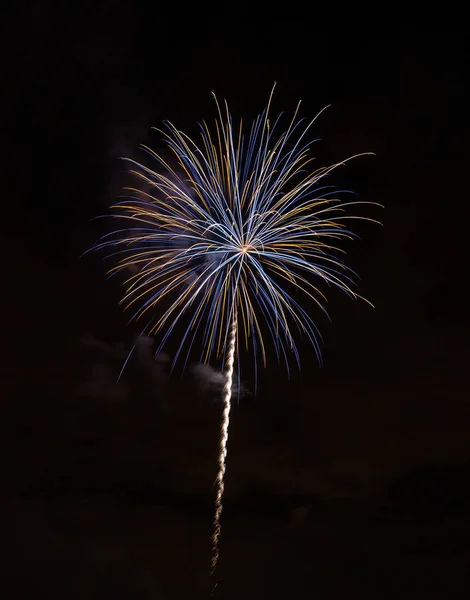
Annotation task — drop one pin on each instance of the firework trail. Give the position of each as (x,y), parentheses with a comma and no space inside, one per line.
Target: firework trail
(223,440)
(224,243)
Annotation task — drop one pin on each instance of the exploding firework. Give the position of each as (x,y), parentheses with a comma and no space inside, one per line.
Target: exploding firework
(231,237)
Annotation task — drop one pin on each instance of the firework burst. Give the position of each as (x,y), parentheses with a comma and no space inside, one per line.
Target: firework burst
(232,236)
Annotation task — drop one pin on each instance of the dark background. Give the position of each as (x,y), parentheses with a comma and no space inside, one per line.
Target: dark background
(350,480)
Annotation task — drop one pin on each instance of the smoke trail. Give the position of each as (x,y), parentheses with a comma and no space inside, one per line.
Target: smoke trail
(227,394)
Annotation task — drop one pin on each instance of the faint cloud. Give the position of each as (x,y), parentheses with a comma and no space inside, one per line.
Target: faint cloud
(212,381)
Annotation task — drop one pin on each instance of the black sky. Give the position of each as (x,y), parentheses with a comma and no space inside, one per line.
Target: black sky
(83,85)
(82,94)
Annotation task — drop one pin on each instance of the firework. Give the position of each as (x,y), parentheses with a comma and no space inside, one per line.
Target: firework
(226,241)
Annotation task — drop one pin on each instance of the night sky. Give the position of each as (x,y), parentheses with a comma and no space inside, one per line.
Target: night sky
(350,480)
